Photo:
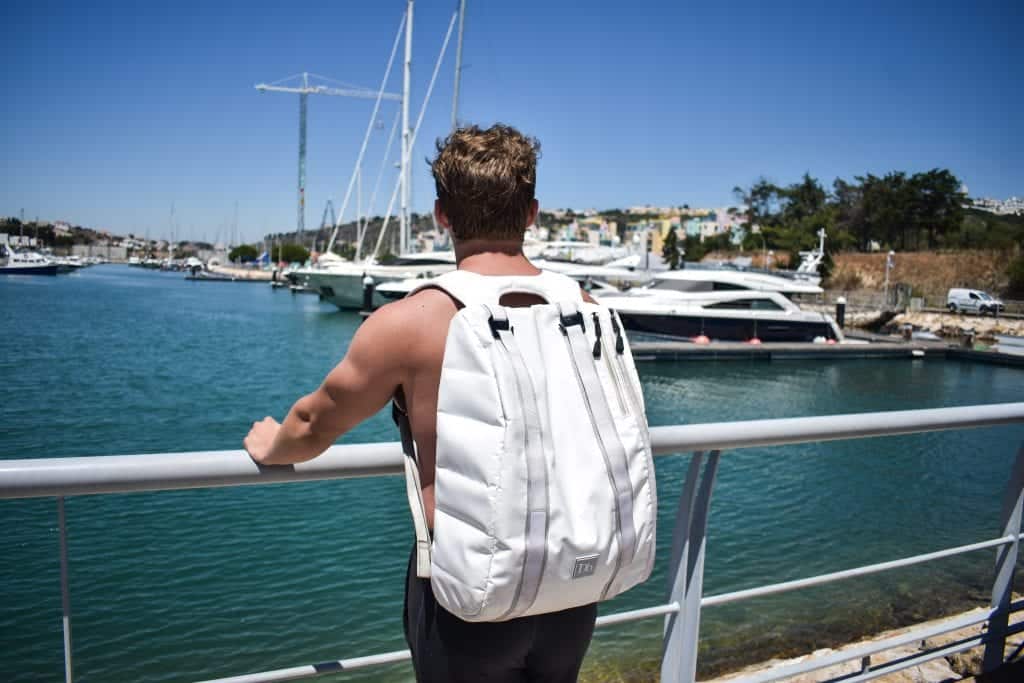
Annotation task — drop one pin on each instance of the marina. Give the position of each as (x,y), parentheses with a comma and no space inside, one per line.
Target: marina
(825,333)
(188,582)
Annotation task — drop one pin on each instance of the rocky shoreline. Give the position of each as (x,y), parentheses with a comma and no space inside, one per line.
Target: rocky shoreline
(738,640)
(966,665)
(955,667)
(243,273)
(954,325)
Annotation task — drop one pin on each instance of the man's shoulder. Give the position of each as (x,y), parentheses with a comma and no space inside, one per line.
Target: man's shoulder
(409,315)
(429,302)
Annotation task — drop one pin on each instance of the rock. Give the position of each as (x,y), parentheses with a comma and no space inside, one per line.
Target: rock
(939,670)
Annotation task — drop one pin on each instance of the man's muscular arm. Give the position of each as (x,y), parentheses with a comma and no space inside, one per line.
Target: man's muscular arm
(359,386)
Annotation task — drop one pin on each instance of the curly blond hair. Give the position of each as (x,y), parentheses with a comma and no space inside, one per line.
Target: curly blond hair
(486,180)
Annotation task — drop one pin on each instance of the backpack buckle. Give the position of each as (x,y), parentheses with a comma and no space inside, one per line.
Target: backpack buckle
(498,326)
(567,321)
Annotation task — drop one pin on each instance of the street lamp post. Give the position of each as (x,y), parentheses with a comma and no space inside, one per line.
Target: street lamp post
(890,262)
(756,230)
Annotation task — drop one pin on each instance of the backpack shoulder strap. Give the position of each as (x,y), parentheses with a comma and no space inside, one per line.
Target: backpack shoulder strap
(413,487)
(465,287)
(470,289)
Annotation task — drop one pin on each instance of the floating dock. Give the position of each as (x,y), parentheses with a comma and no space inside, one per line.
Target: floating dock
(681,351)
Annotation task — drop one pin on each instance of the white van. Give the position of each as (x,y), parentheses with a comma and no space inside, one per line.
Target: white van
(972,301)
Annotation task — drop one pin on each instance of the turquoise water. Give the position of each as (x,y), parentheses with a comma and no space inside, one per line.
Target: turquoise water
(188,585)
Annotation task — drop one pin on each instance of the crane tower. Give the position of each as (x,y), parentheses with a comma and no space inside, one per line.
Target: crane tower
(304,88)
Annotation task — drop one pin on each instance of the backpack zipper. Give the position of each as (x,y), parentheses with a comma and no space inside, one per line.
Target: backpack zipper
(620,349)
(604,455)
(620,346)
(614,373)
(526,531)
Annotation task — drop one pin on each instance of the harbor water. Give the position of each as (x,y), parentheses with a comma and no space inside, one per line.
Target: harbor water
(188,585)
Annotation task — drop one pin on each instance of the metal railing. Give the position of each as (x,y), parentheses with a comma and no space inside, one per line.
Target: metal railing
(60,477)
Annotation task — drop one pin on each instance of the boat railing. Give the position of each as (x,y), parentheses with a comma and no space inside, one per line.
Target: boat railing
(681,610)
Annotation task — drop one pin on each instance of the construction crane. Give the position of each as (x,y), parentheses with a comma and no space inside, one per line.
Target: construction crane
(304,89)
(324,225)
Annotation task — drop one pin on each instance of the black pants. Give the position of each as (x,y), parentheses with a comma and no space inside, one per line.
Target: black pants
(545,648)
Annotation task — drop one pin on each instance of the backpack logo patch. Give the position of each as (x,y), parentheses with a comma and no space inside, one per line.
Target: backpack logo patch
(584,566)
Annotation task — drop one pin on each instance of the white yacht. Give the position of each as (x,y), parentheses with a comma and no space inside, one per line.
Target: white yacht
(341,282)
(24,263)
(67,264)
(725,305)
(733,315)
(691,280)
(597,280)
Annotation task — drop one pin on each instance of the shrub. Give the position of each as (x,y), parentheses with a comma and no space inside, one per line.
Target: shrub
(1015,275)
(845,280)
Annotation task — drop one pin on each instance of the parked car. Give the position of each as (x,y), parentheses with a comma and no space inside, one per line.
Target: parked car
(972,301)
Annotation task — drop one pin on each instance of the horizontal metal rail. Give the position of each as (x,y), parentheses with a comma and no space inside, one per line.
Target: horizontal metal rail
(868,649)
(786,586)
(47,477)
(673,607)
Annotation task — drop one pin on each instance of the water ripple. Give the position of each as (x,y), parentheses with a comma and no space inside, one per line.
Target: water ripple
(193,584)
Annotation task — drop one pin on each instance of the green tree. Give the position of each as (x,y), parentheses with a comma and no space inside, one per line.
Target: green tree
(694,248)
(670,250)
(289,253)
(244,253)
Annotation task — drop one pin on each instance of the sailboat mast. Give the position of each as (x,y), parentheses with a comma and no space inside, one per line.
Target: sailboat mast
(406,132)
(458,65)
(303,105)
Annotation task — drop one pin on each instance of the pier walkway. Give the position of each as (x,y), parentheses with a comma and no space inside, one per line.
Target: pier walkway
(684,596)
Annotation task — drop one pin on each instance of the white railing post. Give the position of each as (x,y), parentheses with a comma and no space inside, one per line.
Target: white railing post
(1006,562)
(65,588)
(686,571)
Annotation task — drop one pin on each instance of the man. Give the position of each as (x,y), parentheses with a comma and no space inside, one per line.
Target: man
(485,182)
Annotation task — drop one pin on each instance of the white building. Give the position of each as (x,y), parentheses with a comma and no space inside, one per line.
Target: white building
(1013,205)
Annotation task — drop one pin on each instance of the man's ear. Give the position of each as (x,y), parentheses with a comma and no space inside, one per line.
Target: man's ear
(534,211)
(441,216)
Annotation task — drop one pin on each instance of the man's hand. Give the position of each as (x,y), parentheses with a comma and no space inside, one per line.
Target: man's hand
(261,438)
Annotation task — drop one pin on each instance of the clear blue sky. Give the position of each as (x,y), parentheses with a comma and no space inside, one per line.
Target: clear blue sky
(114,110)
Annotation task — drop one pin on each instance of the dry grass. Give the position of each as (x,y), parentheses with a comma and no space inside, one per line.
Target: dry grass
(931,274)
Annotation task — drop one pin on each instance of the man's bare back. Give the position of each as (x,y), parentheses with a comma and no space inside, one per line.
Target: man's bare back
(485,181)
(400,348)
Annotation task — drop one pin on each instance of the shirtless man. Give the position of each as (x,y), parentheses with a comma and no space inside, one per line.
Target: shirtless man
(485,182)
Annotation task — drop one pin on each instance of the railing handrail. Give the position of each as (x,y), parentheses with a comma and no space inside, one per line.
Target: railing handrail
(61,477)
(67,476)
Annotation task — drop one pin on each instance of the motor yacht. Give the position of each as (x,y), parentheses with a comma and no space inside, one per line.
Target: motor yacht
(341,282)
(25,263)
(733,315)
(692,280)
(722,304)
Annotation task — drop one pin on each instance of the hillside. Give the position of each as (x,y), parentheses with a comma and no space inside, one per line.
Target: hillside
(929,273)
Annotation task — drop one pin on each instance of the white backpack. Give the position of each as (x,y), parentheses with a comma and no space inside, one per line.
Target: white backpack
(544,486)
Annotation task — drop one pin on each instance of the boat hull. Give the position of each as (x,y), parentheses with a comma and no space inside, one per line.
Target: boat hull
(344,288)
(43,269)
(726,328)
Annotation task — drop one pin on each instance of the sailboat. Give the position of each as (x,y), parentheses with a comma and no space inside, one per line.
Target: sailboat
(341,282)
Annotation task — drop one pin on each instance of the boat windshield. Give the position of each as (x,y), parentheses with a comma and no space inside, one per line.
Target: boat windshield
(421,262)
(694,285)
(747,305)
